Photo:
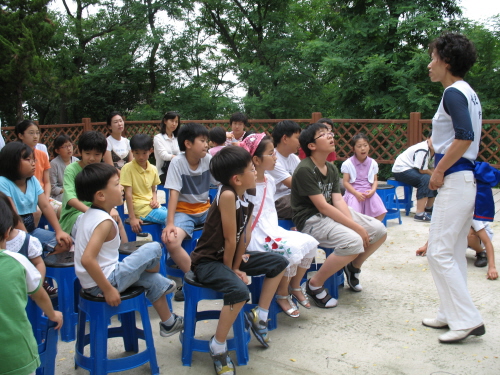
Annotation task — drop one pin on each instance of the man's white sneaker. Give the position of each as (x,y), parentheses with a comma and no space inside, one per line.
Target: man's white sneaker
(458,335)
(434,323)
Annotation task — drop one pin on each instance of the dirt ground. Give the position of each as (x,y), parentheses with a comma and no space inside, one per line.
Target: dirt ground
(377,331)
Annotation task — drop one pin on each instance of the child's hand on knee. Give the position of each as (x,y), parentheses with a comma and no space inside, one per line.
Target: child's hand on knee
(242,275)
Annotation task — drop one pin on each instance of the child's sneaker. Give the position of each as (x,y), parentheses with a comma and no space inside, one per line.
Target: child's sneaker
(51,291)
(424,217)
(222,363)
(352,276)
(258,327)
(166,331)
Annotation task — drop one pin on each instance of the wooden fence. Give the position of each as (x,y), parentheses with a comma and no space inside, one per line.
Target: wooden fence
(388,138)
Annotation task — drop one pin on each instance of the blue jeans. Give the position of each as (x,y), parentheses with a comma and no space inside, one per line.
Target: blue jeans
(157,215)
(187,222)
(131,271)
(418,180)
(46,237)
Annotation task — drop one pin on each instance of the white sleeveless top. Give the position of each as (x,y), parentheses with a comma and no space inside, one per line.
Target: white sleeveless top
(443,133)
(108,256)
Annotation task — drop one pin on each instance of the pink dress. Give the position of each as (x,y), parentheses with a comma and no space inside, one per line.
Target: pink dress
(372,206)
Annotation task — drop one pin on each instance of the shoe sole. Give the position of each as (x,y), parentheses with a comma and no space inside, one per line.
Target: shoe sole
(317,302)
(479,331)
(254,331)
(168,334)
(435,327)
(347,272)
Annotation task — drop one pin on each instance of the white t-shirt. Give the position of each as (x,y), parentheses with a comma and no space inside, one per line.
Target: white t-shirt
(477,225)
(108,255)
(120,148)
(416,156)
(34,246)
(42,147)
(284,168)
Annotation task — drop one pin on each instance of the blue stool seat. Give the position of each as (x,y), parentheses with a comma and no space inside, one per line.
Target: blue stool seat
(128,248)
(61,268)
(388,195)
(333,282)
(274,309)
(189,245)
(285,223)
(405,202)
(98,312)
(193,293)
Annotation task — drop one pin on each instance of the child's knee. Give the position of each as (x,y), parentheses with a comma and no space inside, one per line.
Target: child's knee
(153,249)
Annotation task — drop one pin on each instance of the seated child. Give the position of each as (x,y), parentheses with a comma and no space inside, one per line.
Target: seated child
(298,248)
(320,211)
(92,146)
(217,138)
(412,168)
(189,181)
(19,350)
(96,249)
(17,167)
(220,260)
(238,122)
(286,140)
(140,178)
(480,235)
(360,180)
(63,156)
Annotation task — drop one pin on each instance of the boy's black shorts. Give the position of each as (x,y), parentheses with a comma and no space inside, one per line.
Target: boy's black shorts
(217,276)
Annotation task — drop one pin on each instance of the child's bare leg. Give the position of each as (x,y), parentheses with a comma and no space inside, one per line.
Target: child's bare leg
(332,264)
(177,252)
(473,242)
(430,202)
(295,283)
(421,205)
(36,216)
(161,307)
(227,317)
(283,291)
(380,217)
(269,288)
(360,259)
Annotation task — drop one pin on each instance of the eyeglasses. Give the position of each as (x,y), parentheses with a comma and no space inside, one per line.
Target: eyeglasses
(33,133)
(325,135)
(31,160)
(273,154)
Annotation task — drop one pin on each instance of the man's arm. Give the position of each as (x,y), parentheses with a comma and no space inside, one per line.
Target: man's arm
(103,232)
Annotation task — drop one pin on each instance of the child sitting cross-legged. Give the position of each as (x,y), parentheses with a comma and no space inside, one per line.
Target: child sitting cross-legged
(140,178)
(298,248)
(96,249)
(220,260)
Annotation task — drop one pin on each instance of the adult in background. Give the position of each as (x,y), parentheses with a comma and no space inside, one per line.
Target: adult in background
(456,134)
(165,144)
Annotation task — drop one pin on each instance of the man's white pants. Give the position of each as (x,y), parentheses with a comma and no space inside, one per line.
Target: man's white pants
(450,224)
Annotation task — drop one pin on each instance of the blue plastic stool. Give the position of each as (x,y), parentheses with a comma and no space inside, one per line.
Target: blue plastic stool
(333,282)
(285,223)
(98,312)
(46,338)
(212,193)
(405,202)
(255,288)
(194,292)
(43,222)
(167,194)
(188,245)
(121,212)
(128,248)
(61,268)
(388,195)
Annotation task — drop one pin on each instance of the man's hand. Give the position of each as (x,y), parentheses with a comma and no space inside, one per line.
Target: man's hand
(436,181)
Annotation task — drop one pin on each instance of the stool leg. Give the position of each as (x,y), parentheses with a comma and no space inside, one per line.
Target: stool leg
(99,343)
(241,345)
(66,301)
(148,337)
(80,337)
(190,310)
(129,332)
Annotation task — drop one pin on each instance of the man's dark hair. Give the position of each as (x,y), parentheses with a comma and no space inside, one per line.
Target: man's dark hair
(229,161)
(141,142)
(22,126)
(307,136)
(285,127)
(189,132)
(92,141)
(238,117)
(58,142)
(455,50)
(217,135)
(91,179)
(10,159)
(171,115)
(5,221)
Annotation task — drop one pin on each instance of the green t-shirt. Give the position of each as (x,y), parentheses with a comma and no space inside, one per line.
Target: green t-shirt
(68,213)
(18,347)
(307,180)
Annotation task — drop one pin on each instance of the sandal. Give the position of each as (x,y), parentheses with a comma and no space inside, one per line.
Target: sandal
(319,302)
(305,303)
(292,309)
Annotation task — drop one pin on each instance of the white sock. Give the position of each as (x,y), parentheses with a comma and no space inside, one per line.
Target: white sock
(330,303)
(262,313)
(217,347)
(170,320)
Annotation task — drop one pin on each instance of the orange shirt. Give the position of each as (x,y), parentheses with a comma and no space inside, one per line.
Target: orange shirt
(41,165)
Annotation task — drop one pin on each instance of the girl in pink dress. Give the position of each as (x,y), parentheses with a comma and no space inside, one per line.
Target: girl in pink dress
(360,180)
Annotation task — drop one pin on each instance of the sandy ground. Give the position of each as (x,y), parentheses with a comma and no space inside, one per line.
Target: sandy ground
(377,331)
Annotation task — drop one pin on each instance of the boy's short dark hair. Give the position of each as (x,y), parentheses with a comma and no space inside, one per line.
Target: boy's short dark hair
(326,120)
(10,159)
(141,142)
(238,117)
(189,132)
(217,135)
(307,136)
(91,179)
(5,220)
(229,161)
(59,141)
(285,127)
(455,50)
(171,115)
(92,141)
(22,126)
(8,202)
